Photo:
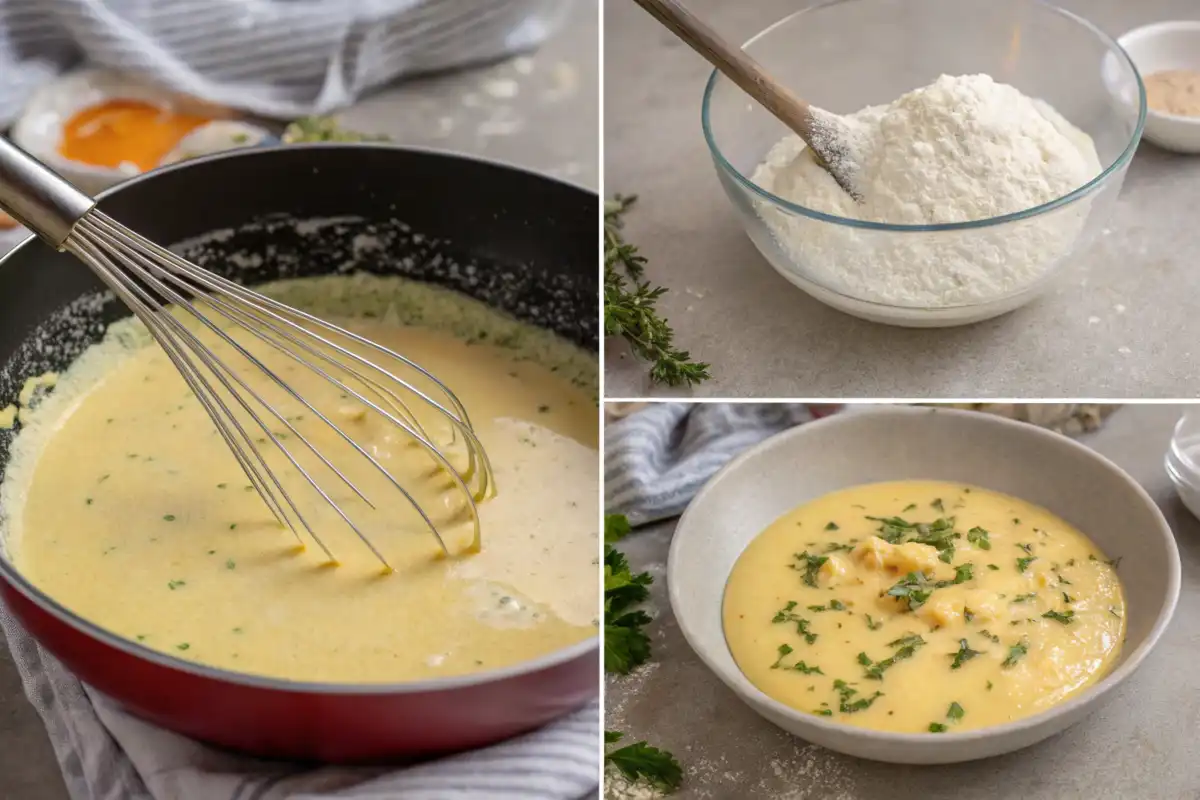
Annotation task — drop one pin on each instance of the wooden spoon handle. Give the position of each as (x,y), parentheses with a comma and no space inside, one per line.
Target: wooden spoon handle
(735,64)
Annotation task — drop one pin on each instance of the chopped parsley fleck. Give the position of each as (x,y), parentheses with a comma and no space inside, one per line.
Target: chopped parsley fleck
(979,537)
(909,507)
(784,651)
(1024,598)
(905,646)
(1067,598)
(989,686)
(938,505)
(1113,610)
(786,614)
(222,485)
(1065,617)
(913,589)
(89,501)
(989,635)
(834,605)
(937,727)
(832,526)
(993,568)
(183,645)
(955,712)
(811,565)
(824,712)
(964,654)
(872,624)
(849,706)
(1023,563)
(1028,548)
(834,547)
(1015,653)
(169,517)
(230,564)
(173,585)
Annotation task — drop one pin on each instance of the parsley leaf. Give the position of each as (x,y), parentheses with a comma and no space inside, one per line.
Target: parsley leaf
(626,645)
(1015,653)
(955,712)
(810,565)
(964,654)
(786,614)
(913,589)
(1066,618)
(640,761)
(979,537)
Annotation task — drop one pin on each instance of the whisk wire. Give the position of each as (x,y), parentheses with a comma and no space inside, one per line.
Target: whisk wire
(119,256)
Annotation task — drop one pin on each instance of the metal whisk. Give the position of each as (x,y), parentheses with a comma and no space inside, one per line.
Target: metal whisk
(150,280)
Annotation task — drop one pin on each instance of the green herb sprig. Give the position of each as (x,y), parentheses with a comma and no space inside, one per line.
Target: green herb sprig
(630,306)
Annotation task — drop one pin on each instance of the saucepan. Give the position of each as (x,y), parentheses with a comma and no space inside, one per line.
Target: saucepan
(520,242)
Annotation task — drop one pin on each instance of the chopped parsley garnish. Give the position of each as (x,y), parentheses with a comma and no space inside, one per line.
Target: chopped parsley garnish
(230,563)
(1113,610)
(1023,563)
(169,517)
(183,645)
(964,654)
(173,585)
(1067,598)
(989,635)
(979,537)
(993,568)
(834,547)
(1015,653)
(955,712)
(1024,598)
(786,650)
(905,646)
(937,727)
(909,507)
(640,761)
(937,505)
(1028,548)
(824,712)
(914,589)
(1065,617)
(834,605)
(962,574)
(786,614)
(846,704)
(832,526)
(872,624)
(810,565)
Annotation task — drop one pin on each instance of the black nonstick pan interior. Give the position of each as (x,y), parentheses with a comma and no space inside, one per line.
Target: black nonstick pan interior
(520,242)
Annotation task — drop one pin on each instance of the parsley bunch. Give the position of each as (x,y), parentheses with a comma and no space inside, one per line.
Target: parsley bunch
(627,646)
(630,306)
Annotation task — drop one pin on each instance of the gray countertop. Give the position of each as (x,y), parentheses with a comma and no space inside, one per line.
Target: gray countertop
(540,112)
(1122,322)
(1140,744)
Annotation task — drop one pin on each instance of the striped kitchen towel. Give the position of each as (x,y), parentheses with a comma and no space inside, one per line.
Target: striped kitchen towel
(276,58)
(657,459)
(658,456)
(106,754)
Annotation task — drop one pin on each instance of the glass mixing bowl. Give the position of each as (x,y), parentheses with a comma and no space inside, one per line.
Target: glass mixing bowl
(848,54)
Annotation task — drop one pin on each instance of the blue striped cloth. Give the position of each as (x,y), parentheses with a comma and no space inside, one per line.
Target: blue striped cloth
(276,58)
(657,459)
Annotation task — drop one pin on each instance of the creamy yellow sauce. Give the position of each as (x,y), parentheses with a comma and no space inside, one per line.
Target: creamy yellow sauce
(999,611)
(125,505)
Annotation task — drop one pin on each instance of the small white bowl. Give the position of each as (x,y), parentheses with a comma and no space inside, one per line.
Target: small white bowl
(1161,46)
(899,443)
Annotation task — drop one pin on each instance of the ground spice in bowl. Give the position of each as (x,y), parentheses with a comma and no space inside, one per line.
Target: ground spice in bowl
(1174,91)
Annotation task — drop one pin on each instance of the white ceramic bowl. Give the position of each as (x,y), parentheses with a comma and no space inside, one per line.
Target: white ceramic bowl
(900,443)
(1161,46)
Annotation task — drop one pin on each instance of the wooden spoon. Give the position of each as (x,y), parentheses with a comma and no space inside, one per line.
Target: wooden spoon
(822,131)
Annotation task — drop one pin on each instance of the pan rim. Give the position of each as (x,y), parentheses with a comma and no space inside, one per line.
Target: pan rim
(48,604)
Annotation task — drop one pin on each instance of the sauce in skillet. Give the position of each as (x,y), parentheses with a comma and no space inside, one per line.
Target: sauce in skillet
(131,511)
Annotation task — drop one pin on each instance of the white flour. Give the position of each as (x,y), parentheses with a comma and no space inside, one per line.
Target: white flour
(964,148)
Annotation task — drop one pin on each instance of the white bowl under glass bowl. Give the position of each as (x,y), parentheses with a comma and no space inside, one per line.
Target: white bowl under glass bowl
(901,443)
(1163,46)
(1183,460)
(848,54)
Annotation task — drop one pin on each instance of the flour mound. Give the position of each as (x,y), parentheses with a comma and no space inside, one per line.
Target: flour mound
(964,148)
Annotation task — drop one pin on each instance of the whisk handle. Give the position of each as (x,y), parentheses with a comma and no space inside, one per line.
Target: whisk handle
(38,197)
